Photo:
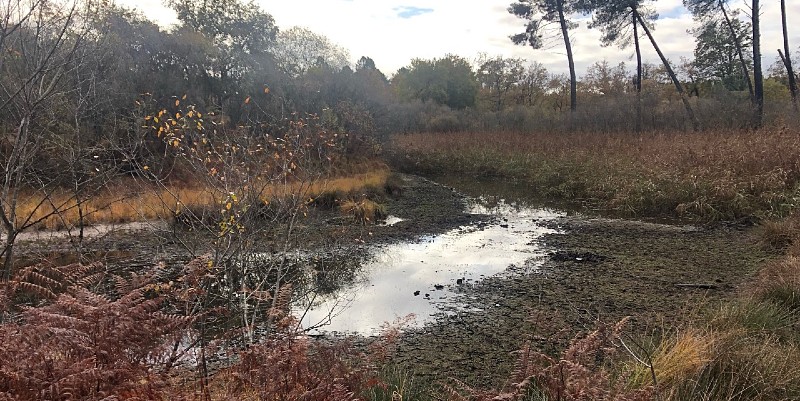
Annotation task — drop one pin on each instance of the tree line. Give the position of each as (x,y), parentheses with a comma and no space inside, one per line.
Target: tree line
(723,41)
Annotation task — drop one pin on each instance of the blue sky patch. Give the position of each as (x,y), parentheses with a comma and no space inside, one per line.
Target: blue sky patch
(411,12)
(676,12)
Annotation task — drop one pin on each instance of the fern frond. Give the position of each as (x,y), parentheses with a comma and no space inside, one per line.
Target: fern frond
(35,289)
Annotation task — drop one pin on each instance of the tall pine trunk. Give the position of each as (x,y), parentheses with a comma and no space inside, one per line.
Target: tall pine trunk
(634,15)
(788,57)
(671,72)
(573,79)
(758,75)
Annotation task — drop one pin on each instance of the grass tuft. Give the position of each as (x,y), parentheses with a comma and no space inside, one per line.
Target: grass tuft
(364,211)
(675,358)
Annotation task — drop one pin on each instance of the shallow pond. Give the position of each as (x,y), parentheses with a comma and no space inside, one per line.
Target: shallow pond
(423,277)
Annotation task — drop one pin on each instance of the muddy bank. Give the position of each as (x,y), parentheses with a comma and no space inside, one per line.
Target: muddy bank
(424,206)
(596,269)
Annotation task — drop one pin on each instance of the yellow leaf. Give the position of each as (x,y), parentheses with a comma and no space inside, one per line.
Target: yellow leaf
(145,168)
(266,90)
(177,102)
(184,97)
(148,118)
(177,115)
(247,101)
(228,206)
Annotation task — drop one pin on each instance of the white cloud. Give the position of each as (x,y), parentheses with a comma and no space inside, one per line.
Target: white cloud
(373,28)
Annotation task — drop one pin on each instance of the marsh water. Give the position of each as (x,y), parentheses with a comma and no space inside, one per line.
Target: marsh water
(415,281)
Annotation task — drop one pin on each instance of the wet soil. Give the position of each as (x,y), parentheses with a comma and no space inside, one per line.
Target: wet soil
(426,207)
(597,269)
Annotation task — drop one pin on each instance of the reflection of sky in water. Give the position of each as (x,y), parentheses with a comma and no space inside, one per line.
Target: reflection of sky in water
(399,270)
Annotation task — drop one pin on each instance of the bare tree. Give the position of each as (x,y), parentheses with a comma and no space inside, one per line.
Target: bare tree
(40,43)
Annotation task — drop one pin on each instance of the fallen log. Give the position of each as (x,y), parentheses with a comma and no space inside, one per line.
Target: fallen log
(700,286)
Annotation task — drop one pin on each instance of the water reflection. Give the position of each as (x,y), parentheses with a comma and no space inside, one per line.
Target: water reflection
(416,278)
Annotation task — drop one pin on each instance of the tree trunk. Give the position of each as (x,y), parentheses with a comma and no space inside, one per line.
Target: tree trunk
(758,76)
(8,254)
(634,14)
(788,57)
(739,52)
(678,86)
(573,79)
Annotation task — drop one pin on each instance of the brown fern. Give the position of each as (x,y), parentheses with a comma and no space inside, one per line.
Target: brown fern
(579,375)
(84,345)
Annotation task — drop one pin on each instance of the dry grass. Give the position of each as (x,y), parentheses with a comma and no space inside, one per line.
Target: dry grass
(125,202)
(779,282)
(710,175)
(677,357)
(364,211)
(740,368)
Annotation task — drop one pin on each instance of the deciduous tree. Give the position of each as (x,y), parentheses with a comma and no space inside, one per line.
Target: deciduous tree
(43,45)
(298,49)
(449,81)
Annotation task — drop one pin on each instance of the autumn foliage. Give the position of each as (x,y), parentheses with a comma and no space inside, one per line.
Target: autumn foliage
(83,333)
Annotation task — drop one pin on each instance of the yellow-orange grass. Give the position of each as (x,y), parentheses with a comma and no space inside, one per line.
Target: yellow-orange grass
(363,211)
(130,203)
(676,359)
(117,204)
(351,183)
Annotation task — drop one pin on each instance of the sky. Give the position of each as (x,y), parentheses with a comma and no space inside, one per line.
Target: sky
(393,32)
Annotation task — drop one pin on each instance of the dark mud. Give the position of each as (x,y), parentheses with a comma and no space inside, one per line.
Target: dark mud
(426,207)
(597,270)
